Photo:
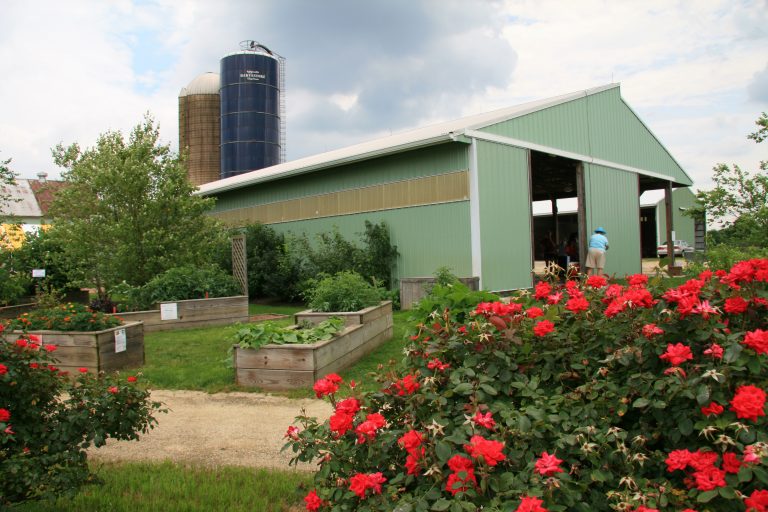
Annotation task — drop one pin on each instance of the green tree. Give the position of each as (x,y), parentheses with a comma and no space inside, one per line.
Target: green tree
(7,177)
(127,212)
(739,200)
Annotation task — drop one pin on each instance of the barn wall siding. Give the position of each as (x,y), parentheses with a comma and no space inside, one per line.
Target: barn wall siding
(612,201)
(505,216)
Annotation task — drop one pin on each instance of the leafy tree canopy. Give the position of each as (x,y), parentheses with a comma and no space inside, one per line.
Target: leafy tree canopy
(127,212)
(739,200)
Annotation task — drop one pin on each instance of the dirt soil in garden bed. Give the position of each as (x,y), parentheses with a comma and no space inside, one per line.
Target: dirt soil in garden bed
(266,316)
(220,429)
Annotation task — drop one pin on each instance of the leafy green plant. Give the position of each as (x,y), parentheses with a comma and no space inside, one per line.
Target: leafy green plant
(179,283)
(48,420)
(67,317)
(588,396)
(267,333)
(344,291)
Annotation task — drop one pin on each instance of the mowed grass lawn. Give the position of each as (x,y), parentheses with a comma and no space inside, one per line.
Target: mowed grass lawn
(198,359)
(136,487)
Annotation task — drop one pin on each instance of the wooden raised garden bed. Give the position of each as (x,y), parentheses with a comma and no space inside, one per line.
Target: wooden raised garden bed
(108,350)
(183,314)
(282,367)
(413,289)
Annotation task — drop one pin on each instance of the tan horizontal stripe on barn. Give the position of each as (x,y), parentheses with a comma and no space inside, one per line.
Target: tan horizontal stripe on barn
(441,188)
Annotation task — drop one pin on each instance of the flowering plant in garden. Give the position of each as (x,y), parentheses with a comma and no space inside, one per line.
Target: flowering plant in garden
(48,419)
(67,317)
(588,396)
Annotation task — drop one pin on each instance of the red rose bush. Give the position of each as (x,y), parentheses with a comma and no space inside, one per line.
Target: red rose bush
(594,395)
(48,419)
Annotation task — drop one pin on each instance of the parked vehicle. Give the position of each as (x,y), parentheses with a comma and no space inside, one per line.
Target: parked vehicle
(680,247)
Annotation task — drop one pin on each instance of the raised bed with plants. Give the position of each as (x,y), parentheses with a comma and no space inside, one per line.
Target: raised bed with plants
(82,338)
(184,314)
(185,297)
(274,358)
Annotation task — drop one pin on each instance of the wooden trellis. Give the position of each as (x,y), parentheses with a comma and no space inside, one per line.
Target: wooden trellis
(240,262)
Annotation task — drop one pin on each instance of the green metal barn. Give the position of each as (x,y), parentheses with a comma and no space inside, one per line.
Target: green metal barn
(460,193)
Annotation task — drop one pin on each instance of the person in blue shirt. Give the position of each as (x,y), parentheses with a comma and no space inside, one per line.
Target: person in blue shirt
(598,244)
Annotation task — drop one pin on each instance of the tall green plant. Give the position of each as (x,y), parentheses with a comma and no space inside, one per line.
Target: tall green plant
(127,212)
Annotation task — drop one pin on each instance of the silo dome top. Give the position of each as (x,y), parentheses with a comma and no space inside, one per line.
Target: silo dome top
(207,83)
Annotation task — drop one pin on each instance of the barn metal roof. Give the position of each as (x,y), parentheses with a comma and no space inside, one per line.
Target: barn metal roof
(419,137)
(23,202)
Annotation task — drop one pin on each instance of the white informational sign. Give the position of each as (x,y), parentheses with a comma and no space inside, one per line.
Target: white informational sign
(38,272)
(169,311)
(120,340)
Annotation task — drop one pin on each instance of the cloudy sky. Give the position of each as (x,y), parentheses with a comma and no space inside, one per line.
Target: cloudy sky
(696,71)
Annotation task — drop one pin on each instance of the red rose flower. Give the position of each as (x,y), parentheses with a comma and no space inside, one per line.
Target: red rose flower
(83,370)
(489,450)
(131,379)
(713,409)
(676,354)
(334,378)
(411,441)
(554,298)
(412,462)
(292,432)
(325,387)
(548,465)
(436,364)
(366,431)
(348,406)
(408,385)
(650,330)
(50,348)
(757,501)
(678,459)
(709,478)
(731,463)
(757,340)
(542,289)
(463,473)
(530,504)
(313,501)
(341,422)
(637,280)
(748,402)
(534,312)
(736,305)
(543,328)
(484,420)
(577,304)
(361,482)
(596,281)
(714,351)
(5,415)
(3,369)
(113,390)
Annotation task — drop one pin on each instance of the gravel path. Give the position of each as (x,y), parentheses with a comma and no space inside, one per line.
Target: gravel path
(222,429)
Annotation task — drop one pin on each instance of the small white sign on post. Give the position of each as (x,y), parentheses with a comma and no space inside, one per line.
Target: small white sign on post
(38,272)
(120,340)
(169,311)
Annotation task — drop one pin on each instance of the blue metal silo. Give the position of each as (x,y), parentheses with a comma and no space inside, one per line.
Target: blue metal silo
(250,109)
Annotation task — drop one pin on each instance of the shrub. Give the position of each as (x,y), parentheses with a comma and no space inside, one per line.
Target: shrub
(180,283)
(67,317)
(47,421)
(585,397)
(345,291)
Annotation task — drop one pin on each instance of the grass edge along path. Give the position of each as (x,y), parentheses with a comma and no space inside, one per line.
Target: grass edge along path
(166,486)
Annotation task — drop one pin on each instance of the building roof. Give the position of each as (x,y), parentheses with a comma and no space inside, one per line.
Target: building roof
(207,83)
(29,198)
(419,137)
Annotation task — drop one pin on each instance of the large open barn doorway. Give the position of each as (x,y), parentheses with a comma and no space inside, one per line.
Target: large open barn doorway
(557,211)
